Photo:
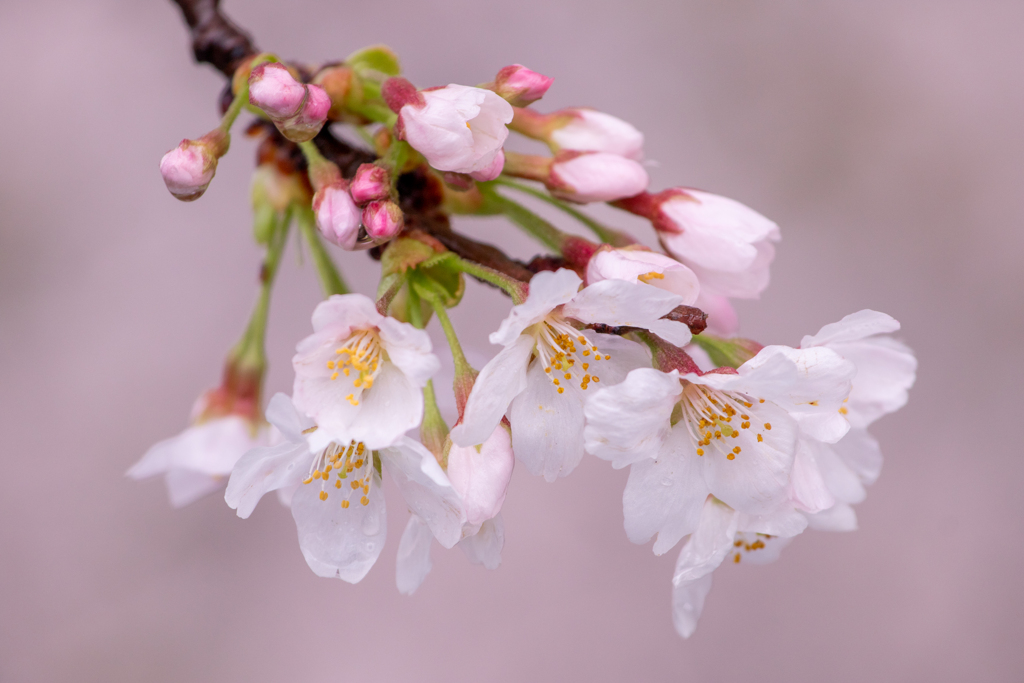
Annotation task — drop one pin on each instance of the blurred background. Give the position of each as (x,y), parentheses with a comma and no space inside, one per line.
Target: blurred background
(884,138)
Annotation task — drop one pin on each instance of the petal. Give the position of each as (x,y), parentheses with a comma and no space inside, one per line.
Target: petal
(340,542)
(409,349)
(618,302)
(413,562)
(480,474)
(484,547)
(393,406)
(265,469)
(673,332)
(548,290)
(633,264)
(709,545)
(426,489)
(770,548)
(886,369)
(665,496)
(688,603)
(547,427)
(842,481)
(757,479)
(784,522)
(807,488)
(281,413)
(501,380)
(853,327)
(628,422)
(341,313)
(747,283)
(210,448)
(187,486)
(839,517)
(860,452)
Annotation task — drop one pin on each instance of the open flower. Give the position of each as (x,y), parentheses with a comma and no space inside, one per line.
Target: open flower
(359,375)
(226,422)
(641,265)
(457,128)
(548,364)
(338,504)
(730,435)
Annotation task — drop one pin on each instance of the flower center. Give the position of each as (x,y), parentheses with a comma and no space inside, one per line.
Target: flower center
(352,466)
(714,417)
(358,360)
(747,543)
(565,353)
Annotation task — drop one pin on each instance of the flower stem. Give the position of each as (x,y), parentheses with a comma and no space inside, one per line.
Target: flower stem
(465,374)
(603,232)
(531,223)
(321,171)
(514,288)
(330,278)
(242,96)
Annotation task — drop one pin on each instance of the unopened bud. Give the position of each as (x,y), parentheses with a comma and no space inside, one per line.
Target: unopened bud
(188,168)
(383,220)
(371,183)
(492,171)
(299,111)
(337,82)
(595,177)
(337,216)
(521,86)
(589,130)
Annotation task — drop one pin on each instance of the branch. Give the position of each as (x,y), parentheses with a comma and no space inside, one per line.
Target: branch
(215,39)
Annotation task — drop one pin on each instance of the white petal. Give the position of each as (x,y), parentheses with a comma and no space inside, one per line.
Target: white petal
(281,413)
(547,427)
(548,290)
(340,542)
(484,547)
(286,493)
(747,283)
(688,603)
(772,546)
(341,313)
(413,562)
(839,517)
(265,469)
(426,489)
(632,264)
(709,545)
(784,522)
(409,349)
(393,406)
(628,422)
(665,496)
(807,487)
(211,448)
(842,482)
(673,332)
(756,481)
(886,369)
(853,327)
(480,474)
(618,302)
(501,380)
(861,453)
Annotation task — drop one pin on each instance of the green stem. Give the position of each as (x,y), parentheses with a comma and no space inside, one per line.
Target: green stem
(462,366)
(321,171)
(251,351)
(514,288)
(603,232)
(330,278)
(534,225)
(241,97)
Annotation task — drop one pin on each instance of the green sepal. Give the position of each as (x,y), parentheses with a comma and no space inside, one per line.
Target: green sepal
(377,58)
(731,353)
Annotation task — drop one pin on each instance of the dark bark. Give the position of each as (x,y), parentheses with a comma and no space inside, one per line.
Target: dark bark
(215,39)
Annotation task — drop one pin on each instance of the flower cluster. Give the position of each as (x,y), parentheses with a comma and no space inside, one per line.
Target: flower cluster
(610,348)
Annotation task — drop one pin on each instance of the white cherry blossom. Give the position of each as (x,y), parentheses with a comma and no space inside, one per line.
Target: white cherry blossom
(547,365)
(458,128)
(641,265)
(359,375)
(337,502)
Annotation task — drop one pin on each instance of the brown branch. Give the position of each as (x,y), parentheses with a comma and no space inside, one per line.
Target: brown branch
(215,39)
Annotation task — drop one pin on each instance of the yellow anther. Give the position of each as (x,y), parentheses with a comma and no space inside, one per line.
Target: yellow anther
(316,474)
(760,438)
(330,365)
(355,485)
(586,352)
(730,457)
(560,390)
(337,484)
(334,375)
(323,495)
(344,504)
(307,480)
(736,450)
(768,426)
(364,500)
(700,451)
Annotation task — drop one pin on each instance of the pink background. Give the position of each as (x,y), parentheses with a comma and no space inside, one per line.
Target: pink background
(884,138)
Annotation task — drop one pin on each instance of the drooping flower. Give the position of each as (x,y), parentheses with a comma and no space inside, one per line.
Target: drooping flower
(641,265)
(226,422)
(360,374)
(456,128)
(338,504)
(730,435)
(548,364)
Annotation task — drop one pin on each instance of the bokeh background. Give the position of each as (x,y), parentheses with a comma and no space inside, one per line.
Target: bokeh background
(885,139)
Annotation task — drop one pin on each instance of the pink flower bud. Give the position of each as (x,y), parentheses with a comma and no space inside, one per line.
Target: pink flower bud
(520,86)
(588,130)
(273,89)
(383,220)
(595,177)
(188,169)
(299,111)
(492,171)
(372,183)
(337,216)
